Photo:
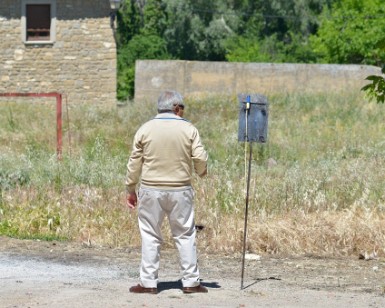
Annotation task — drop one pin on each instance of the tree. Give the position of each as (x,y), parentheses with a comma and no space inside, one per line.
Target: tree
(154,18)
(141,27)
(376,89)
(280,29)
(350,32)
(215,30)
(139,47)
(129,22)
(197,29)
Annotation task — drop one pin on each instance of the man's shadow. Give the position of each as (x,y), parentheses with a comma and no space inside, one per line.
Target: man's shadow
(177,285)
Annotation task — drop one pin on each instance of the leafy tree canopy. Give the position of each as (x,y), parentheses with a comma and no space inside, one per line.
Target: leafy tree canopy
(375,90)
(352,31)
(139,47)
(297,31)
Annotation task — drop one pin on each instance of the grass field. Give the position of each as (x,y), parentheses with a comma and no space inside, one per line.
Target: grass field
(317,185)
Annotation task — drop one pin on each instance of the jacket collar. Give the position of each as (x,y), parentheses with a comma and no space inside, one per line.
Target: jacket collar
(167,115)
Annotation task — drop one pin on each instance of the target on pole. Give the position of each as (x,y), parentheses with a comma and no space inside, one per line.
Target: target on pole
(253,118)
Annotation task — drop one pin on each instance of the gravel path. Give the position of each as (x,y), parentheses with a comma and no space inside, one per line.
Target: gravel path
(46,274)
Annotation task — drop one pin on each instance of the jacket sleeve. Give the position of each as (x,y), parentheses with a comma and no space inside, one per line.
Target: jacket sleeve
(199,155)
(134,165)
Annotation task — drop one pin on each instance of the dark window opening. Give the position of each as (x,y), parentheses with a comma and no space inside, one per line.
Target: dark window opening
(38,22)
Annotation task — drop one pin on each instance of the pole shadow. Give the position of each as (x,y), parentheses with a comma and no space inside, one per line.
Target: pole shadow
(259,280)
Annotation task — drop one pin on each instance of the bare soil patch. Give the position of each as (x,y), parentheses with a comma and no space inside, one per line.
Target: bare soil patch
(62,274)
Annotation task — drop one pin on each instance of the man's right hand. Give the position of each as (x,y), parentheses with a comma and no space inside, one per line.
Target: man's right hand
(131,200)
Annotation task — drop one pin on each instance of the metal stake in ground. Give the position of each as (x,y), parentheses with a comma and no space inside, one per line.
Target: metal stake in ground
(253,116)
(246,214)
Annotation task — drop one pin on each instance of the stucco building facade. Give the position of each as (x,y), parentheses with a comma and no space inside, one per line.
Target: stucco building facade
(64,46)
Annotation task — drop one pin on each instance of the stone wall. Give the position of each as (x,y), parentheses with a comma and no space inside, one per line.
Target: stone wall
(81,63)
(193,78)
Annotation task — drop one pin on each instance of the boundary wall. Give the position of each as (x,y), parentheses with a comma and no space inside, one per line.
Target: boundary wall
(195,78)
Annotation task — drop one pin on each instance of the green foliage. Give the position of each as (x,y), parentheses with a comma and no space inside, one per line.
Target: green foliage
(318,161)
(270,49)
(7,229)
(277,31)
(376,89)
(282,16)
(12,124)
(351,32)
(129,22)
(154,18)
(10,179)
(243,49)
(216,30)
(197,29)
(139,47)
(297,31)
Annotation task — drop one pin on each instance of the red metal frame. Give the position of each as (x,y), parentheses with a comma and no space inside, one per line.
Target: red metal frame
(58,96)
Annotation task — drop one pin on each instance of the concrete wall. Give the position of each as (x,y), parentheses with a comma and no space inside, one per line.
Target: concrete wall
(193,78)
(81,63)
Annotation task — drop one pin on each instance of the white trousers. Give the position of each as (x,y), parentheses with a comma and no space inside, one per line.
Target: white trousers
(178,205)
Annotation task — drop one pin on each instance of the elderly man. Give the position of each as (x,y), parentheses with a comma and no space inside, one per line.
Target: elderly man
(165,152)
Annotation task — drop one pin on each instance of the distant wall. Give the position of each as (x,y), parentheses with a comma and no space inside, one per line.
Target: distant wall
(194,78)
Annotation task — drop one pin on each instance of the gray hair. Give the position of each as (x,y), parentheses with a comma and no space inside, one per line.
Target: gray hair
(168,99)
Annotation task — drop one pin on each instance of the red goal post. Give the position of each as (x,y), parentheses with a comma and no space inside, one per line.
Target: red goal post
(58,97)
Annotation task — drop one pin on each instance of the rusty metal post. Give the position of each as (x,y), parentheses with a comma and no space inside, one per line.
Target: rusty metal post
(59,133)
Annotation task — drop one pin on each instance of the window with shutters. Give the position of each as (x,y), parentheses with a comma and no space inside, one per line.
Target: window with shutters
(38,21)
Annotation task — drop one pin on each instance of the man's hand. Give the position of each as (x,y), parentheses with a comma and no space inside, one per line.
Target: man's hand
(131,200)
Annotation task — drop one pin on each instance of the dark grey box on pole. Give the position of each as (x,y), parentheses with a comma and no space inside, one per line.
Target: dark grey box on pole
(253,118)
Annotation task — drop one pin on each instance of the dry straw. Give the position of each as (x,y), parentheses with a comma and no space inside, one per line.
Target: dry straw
(317,186)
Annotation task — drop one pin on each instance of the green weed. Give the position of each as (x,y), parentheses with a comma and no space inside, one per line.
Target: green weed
(316,186)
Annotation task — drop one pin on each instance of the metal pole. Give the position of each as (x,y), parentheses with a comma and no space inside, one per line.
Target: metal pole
(246,213)
(246,134)
(59,133)
(247,108)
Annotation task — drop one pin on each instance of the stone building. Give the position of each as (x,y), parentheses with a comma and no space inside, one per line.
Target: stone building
(64,46)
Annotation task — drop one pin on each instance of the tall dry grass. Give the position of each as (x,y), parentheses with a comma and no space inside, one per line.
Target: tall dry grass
(317,187)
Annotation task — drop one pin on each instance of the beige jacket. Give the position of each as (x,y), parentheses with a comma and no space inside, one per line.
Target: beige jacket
(165,151)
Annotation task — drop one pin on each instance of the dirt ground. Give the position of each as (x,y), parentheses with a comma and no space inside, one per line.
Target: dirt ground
(57,274)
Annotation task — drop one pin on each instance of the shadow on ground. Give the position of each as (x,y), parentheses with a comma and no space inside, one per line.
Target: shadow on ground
(177,285)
